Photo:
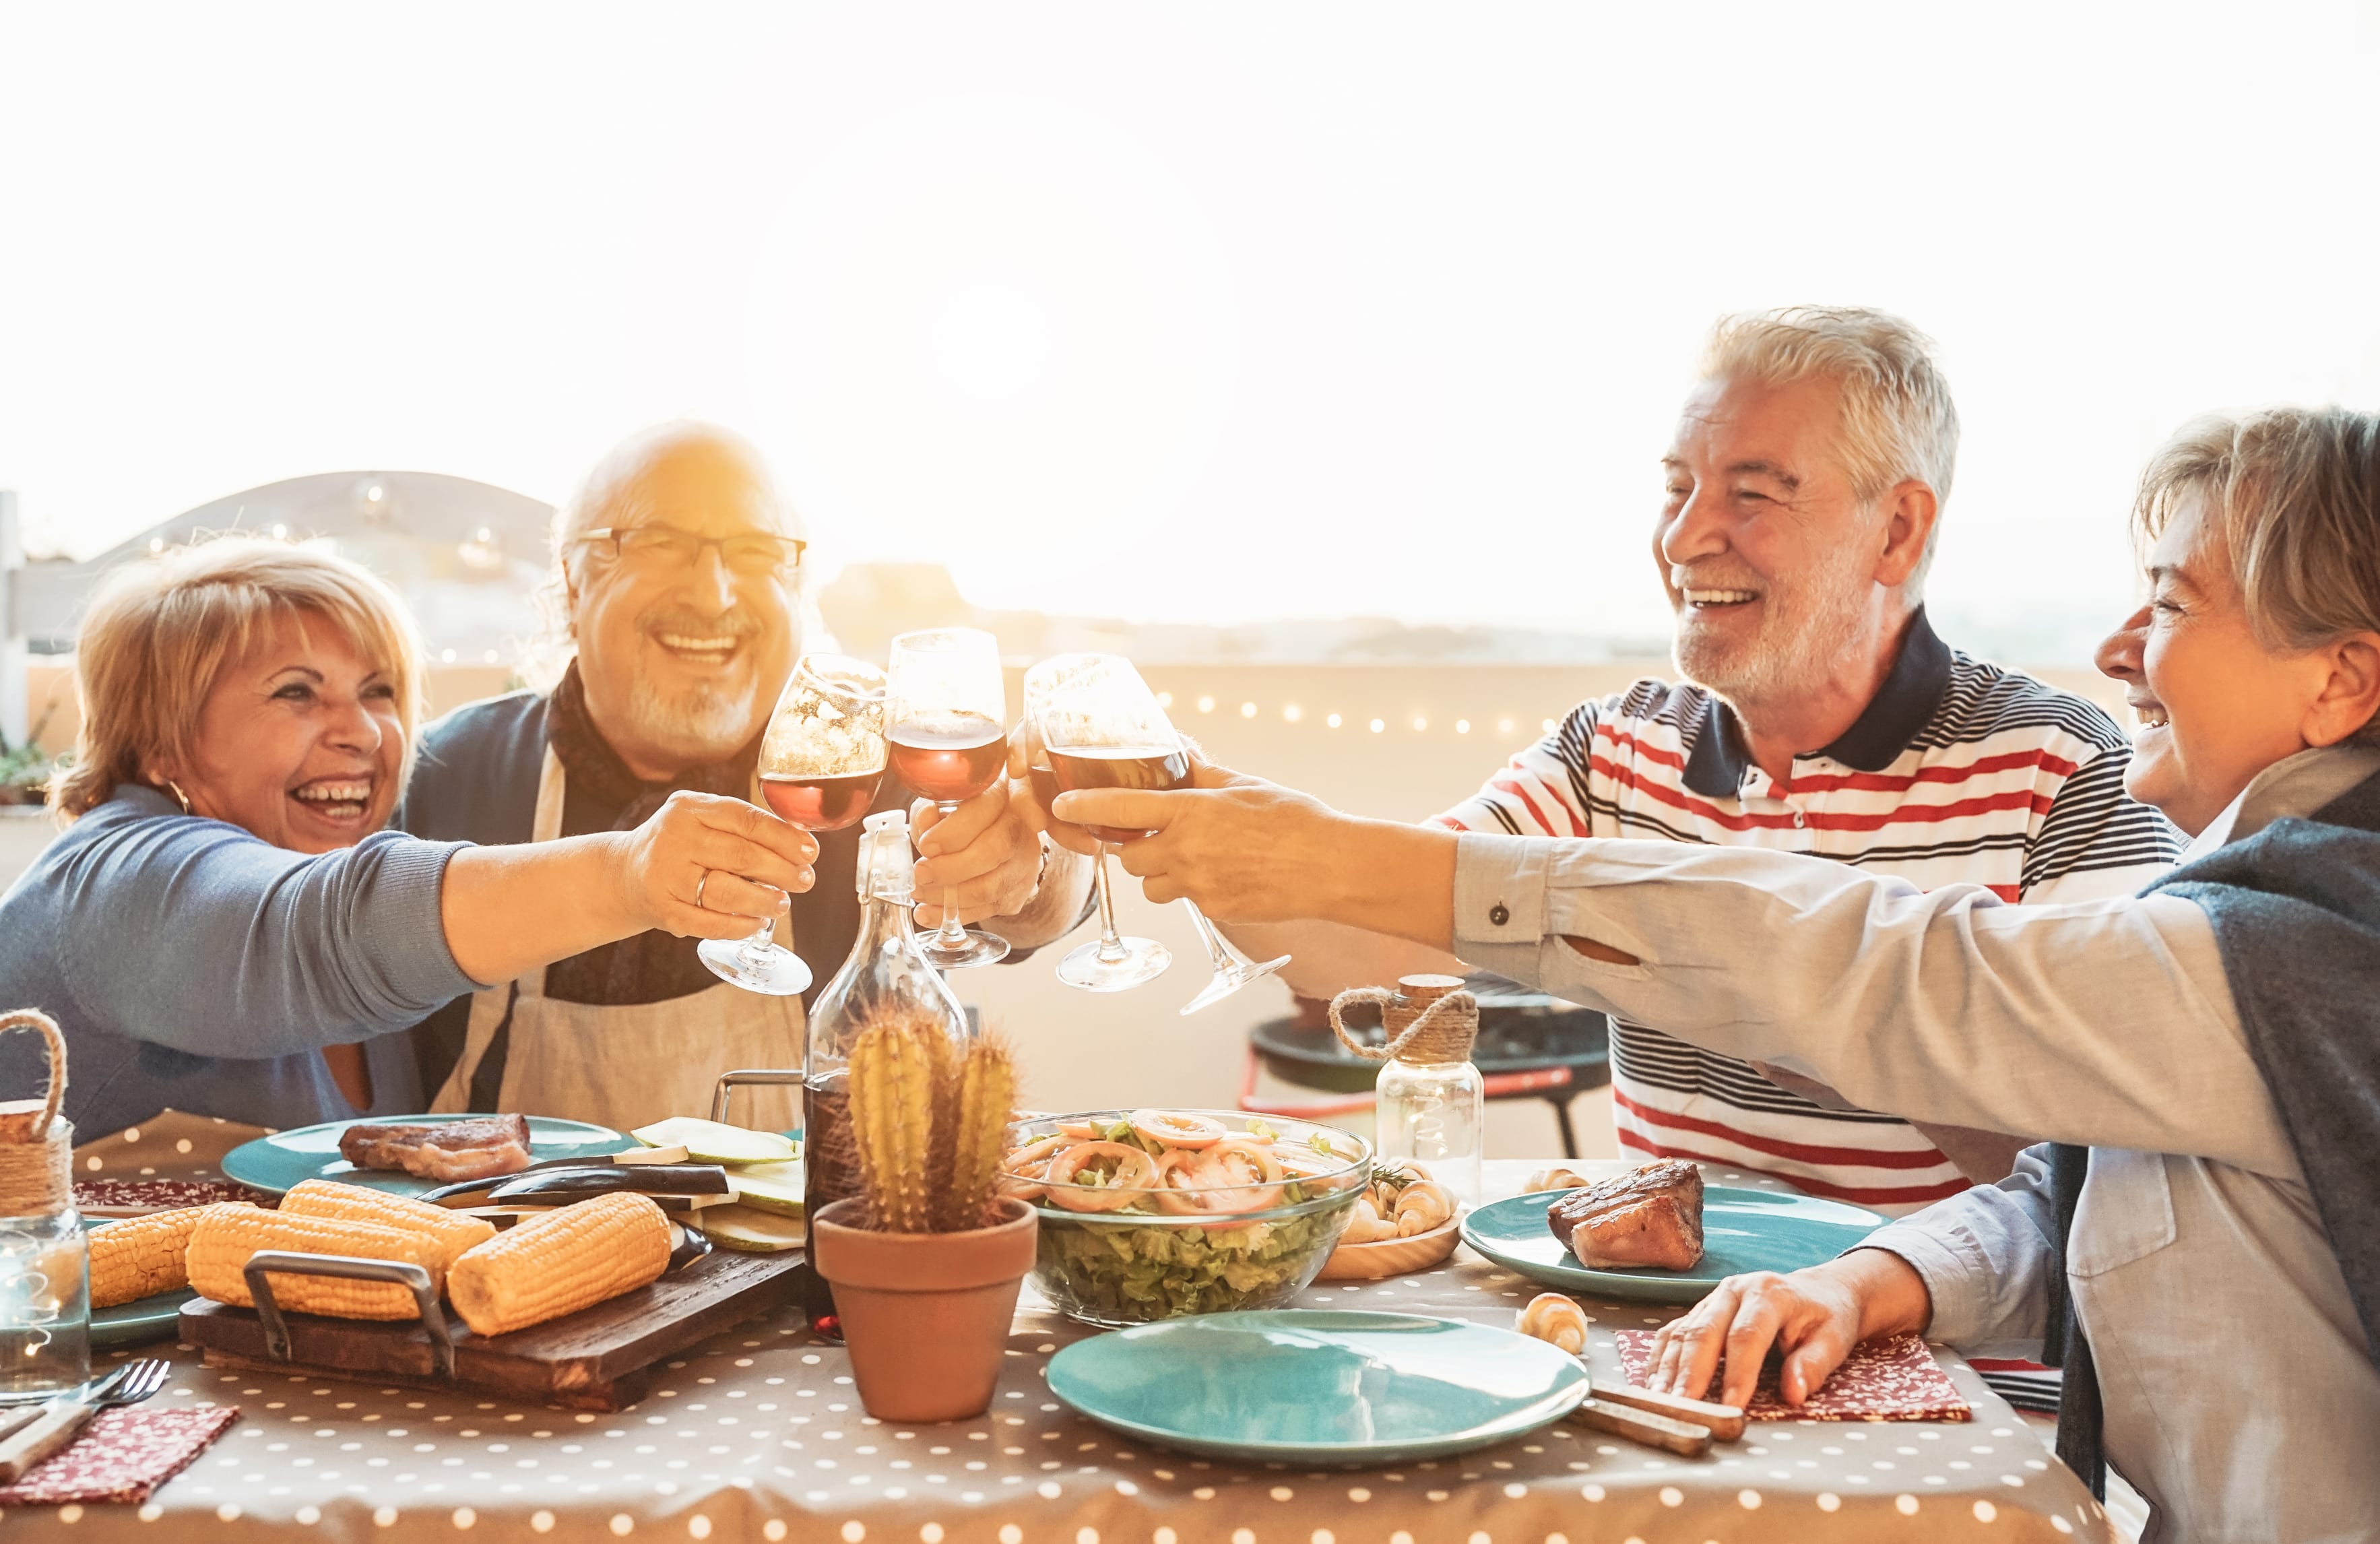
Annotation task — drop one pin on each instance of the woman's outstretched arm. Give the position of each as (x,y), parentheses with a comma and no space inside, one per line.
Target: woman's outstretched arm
(2105,1023)
(194,934)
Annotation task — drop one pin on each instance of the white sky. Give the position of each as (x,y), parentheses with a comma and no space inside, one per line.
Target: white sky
(1208,312)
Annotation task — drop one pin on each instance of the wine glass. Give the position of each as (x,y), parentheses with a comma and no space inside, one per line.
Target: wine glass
(820,761)
(1103,729)
(943,718)
(1079,693)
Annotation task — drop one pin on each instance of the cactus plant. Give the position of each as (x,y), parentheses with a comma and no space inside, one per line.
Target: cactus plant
(943,1071)
(893,1116)
(930,1120)
(978,1117)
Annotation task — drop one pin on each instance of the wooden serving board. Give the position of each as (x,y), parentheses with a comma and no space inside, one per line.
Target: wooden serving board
(598,1358)
(1384,1258)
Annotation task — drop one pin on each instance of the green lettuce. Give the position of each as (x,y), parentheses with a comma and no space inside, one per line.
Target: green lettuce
(1129,1271)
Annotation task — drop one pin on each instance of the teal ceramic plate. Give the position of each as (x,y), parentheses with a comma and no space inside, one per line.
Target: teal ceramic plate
(284,1158)
(139,1322)
(1298,1386)
(1743,1230)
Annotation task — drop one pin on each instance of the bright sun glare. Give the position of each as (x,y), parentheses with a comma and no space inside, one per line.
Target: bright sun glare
(1212,314)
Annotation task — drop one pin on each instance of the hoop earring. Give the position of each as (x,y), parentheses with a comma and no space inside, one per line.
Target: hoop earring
(179,796)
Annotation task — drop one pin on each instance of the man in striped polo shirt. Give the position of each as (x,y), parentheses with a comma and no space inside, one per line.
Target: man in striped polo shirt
(1819,714)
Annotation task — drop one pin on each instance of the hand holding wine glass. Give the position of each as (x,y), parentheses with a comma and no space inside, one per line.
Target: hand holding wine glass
(945,717)
(1095,704)
(820,761)
(1103,729)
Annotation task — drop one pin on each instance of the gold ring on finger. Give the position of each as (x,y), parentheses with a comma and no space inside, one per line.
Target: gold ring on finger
(697,890)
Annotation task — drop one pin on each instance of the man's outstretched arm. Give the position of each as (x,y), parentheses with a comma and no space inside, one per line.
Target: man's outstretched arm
(1326,958)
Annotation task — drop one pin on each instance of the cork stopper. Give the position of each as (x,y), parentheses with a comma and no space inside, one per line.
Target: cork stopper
(36,1145)
(21,1118)
(1430,1020)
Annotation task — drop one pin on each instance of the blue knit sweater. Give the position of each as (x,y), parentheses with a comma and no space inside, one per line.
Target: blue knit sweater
(192,965)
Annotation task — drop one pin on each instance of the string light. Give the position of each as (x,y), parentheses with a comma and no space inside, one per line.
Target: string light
(1291,712)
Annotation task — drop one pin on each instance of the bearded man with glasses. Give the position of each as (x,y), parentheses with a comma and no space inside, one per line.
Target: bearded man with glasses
(676,589)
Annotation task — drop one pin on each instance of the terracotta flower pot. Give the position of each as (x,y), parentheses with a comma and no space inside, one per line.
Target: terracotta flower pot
(925,1315)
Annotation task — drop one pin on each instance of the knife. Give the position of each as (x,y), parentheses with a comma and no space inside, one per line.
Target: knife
(59,1418)
(1724,1422)
(1643,1426)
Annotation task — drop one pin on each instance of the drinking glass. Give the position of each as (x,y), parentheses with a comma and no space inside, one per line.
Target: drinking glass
(820,761)
(1080,693)
(1103,729)
(944,716)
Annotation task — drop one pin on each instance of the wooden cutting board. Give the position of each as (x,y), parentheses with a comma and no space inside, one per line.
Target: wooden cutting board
(598,1358)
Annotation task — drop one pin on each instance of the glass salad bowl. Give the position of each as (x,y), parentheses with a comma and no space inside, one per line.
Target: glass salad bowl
(1154,1214)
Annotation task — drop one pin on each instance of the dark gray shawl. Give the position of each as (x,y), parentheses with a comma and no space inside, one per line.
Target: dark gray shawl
(2296,912)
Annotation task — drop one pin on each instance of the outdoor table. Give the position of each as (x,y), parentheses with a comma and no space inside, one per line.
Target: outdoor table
(759,1435)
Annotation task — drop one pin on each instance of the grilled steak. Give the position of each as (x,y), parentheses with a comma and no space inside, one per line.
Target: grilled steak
(1648,1216)
(477,1149)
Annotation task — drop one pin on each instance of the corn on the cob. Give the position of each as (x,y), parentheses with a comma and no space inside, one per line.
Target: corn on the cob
(231,1232)
(140,1256)
(454,1231)
(562,1262)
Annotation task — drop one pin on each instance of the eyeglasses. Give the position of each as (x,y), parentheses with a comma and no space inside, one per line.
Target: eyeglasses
(752,553)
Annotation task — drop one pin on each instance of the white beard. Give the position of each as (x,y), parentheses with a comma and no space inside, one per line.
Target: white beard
(1805,631)
(700,725)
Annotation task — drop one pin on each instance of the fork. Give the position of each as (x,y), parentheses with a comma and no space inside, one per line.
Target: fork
(63,1417)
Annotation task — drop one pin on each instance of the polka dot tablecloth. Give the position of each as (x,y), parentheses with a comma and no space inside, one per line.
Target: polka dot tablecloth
(759,1435)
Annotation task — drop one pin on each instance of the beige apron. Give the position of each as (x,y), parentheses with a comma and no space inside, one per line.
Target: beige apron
(629,1065)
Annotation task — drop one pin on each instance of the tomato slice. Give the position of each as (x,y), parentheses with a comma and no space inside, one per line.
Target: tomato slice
(1174,1128)
(1133,1175)
(1244,1167)
(1025,1181)
(1034,1151)
(1178,1186)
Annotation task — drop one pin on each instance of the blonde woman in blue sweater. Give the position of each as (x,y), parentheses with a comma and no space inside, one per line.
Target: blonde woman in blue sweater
(223,927)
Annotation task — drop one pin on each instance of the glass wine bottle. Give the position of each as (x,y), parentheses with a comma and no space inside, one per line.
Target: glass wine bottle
(885,970)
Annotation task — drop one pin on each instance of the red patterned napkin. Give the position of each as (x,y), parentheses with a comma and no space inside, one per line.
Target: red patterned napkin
(158,1195)
(1894,1379)
(121,1456)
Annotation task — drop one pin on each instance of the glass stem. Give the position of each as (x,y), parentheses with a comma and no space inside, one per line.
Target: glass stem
(952,934)
(1111,947)
(754,955)
(1227,960)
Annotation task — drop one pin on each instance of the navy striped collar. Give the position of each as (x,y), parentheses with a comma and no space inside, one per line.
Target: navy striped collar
(1920,675)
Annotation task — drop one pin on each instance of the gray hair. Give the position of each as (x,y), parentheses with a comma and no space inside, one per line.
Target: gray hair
(611,494)
(1899,422)
(2294,495)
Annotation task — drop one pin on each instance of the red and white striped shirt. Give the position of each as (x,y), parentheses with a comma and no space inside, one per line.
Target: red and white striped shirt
(1957,771)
